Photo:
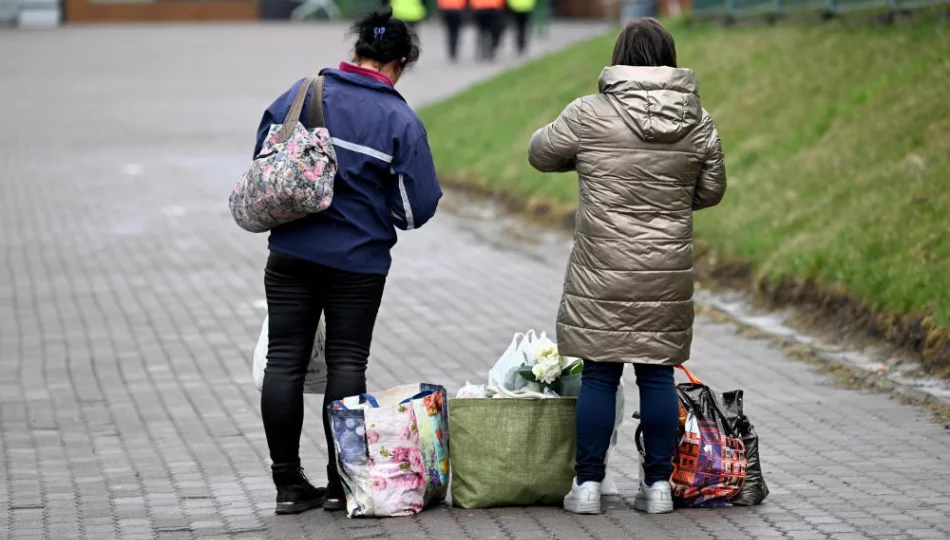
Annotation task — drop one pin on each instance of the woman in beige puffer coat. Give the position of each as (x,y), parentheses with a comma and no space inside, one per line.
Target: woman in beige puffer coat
(647,156)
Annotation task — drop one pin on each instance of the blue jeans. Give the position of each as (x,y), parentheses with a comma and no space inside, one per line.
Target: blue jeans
(596,413)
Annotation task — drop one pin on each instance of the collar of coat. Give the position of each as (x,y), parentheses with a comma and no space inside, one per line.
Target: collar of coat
(616,79)
(363,79)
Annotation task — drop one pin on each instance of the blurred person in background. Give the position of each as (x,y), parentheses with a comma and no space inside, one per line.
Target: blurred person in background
(489,20)
(335,263)
(452,12)
(521,11)
(410,11)
(647,157)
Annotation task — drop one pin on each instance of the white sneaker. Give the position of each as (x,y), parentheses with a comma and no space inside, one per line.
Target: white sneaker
(583,499)
(656,499)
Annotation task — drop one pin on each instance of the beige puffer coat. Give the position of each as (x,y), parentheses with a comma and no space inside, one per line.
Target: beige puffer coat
(647,156)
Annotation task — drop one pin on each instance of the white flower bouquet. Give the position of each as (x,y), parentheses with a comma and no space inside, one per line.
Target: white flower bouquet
(551,371)
(532,368)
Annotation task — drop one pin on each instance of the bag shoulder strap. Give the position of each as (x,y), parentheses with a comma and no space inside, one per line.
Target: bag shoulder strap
(689,374)
(293,115)
(315,117)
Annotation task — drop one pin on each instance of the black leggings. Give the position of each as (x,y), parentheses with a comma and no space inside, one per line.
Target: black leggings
(298,291)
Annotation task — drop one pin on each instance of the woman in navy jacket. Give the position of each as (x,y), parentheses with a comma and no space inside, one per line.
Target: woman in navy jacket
(335,263)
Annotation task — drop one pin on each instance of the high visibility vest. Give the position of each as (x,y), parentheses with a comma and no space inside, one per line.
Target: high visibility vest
(408,10)
(522,6)
(452,5)
(487,4)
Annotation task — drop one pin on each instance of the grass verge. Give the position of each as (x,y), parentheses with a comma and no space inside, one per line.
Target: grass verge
(837,144)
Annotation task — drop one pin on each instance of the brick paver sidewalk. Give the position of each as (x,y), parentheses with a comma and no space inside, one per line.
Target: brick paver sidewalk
(129,304)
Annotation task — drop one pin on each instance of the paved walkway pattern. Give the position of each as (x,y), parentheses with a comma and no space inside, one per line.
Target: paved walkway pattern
(129,304)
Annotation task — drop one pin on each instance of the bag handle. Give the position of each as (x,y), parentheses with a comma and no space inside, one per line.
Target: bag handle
(501,391)
(420,395)
(293,115)
(689,375)
(367,398)
(315,117)
(371,399)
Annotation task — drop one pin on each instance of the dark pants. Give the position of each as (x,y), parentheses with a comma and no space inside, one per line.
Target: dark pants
(596,413)
(521,30)
(453,27)
(489,23)
(298,291)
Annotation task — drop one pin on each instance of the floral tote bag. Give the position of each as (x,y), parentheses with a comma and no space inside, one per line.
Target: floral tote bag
(433,444)
(391,450)
(293,174)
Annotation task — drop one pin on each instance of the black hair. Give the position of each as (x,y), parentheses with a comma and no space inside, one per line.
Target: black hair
(644,42)
(383,39)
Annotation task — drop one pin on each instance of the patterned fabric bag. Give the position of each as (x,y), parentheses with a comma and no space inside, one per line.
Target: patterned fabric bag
(709,467)
(293,174)
(392,450)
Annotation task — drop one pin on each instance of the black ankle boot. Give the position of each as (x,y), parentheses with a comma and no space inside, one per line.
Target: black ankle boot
(336,498)
(295,494)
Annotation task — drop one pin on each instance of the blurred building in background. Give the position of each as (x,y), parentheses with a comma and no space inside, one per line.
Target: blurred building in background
(617,10)
(159,10)
(8,11)
(52,12)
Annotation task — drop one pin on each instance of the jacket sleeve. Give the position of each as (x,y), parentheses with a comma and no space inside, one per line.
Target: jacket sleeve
(711,185)
(417,192)
(553,148)
(275,114)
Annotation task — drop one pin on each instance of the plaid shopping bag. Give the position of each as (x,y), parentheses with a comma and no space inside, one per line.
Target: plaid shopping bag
(710,464)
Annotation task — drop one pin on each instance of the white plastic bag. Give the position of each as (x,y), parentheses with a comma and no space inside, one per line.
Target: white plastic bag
(503,372)
(520,352)
(472,391)
(316,379)
(609,486)
(536,342)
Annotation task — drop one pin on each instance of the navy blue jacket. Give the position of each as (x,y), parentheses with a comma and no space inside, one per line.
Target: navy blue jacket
(386,177)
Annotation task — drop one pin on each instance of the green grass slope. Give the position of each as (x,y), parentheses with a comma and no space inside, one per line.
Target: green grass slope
(837,146)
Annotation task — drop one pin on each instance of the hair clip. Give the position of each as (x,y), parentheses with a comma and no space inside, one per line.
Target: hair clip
(378,32)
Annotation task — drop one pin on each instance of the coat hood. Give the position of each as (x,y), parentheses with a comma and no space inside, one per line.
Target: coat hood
(659,104)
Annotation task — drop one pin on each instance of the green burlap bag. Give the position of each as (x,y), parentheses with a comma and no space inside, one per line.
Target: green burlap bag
(511,452)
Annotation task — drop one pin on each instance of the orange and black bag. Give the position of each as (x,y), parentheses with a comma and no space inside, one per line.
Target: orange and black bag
(716,461)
